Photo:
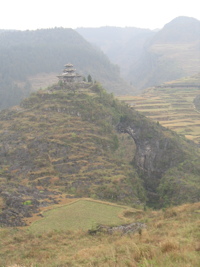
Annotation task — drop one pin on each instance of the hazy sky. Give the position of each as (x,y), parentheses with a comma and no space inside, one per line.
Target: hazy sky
(37,14)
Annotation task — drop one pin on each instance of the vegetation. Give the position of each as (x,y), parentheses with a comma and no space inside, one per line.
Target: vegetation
(171,238)
(70,148)
(26,55)
(69,138)
(69,143)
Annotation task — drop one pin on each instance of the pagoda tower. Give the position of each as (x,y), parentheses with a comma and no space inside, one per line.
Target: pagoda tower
(69,74)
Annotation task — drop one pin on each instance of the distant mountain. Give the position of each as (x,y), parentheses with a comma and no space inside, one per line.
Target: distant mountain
(148,58)
(179,30)
(25,54)
(172,53)
(123,46)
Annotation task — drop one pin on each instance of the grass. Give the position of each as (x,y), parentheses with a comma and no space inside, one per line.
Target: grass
(80,214)
(171,239)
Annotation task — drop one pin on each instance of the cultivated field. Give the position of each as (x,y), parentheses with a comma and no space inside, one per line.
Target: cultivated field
(172,106)
(82,214)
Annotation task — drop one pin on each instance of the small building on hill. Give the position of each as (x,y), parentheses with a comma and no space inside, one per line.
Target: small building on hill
(69,75)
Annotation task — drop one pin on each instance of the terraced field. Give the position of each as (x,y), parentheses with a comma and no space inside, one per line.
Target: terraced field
(172,106)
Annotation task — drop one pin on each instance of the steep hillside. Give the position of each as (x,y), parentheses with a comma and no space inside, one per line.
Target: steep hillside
(78,140)
(173,104)
(172,53)
(26,55)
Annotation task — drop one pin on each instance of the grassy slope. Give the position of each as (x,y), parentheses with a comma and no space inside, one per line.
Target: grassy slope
(173,106)
(82,214)
(171,239)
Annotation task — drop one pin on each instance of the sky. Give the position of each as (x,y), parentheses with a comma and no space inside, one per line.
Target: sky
(38,14)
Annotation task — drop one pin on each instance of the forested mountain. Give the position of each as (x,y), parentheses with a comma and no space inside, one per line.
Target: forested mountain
(148,58)
(24,54)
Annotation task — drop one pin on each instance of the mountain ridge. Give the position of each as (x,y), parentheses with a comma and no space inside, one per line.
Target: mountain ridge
(148,58)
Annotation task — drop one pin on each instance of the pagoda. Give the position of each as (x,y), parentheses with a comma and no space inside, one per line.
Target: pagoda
(69,74)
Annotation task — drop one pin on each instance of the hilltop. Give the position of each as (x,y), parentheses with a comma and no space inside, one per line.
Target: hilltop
(30,60)
(78,140)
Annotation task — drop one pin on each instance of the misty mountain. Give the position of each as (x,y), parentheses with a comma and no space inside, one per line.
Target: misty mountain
(148,58)
(174,52)
(123,46)
(24,54)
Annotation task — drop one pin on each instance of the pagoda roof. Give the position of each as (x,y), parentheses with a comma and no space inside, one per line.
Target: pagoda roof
(68,65)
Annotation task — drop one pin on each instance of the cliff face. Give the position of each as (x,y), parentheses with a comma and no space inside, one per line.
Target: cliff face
(197,102)
(158,150)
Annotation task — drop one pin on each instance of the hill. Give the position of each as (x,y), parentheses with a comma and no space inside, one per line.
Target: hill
(148,58)
(77,140)
(174,104)
(31,60)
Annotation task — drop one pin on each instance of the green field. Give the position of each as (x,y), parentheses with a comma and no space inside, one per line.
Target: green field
(79,215)
(172,106)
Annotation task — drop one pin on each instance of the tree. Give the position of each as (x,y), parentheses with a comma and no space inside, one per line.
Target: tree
(89,78)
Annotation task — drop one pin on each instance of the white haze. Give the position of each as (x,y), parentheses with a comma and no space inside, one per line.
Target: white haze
(37,14)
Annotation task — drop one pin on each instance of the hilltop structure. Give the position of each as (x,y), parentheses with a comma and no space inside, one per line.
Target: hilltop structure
(69,74)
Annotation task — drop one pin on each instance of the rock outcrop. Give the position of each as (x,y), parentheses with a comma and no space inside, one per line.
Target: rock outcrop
(21,202)
(122,229)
